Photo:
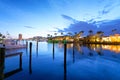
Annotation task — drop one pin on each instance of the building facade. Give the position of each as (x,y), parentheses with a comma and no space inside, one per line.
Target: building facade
(20,37)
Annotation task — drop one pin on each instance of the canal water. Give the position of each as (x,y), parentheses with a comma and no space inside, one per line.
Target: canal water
(81,62)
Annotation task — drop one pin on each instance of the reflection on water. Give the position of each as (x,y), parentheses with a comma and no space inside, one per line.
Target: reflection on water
(37,48)
(114,48)
(73,54)
(68,62)
(98,48)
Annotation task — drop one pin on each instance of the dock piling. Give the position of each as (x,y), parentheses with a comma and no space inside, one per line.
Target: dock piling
(2,58)
(53,50)
(65,55)
(30,59)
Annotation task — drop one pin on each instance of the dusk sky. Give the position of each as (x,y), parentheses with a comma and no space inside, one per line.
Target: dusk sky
(42,17)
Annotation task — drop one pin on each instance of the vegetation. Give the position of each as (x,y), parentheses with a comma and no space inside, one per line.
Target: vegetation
(95,38)
(1,37)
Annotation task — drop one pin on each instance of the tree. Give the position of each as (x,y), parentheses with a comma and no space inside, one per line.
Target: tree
(99,35)
(77,36)
(48,35)
(61,33)
(1,37)
(81,32)
(55,34)
(114,31)
(90,32)
(75,33)
(69,33)
(51,36)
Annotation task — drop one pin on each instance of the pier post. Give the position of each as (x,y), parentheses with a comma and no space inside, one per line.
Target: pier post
(26,44)
(73,53)
(65,69)
(20,61)
(37,47)
(22,41)
(37,43)
(30,59)
(53,50)
(16,42)
(26,47)
(2,58)
(30,48)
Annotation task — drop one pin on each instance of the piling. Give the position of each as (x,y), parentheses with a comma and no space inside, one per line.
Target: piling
(53,50)
(20,61)
(2,58)
(65,69)
(37,48)
(30,59)
(73,54)
(26,44)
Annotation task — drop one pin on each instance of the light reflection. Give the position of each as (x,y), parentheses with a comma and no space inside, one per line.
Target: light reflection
(95,47)
(98,48)
(114,48)
(70,45)
(60,45)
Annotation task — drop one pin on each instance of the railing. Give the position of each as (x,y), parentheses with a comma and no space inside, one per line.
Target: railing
(2,59)
(20,64)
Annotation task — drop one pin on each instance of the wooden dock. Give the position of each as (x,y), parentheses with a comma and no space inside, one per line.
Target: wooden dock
(7,47)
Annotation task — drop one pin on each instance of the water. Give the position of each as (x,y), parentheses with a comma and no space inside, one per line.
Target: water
(88,62)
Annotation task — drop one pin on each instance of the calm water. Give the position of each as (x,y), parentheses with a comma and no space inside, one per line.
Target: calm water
(88,62)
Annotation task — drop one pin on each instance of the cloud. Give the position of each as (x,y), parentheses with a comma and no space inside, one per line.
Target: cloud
(108,26)
(29,27)
(69,18)
(105,25)
(79,26)
(109,7)
(59,30)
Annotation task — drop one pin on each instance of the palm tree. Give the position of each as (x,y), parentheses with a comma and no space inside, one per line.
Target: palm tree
(89,37)
(55,34)
(90,32)
(3,37)
(114,31)
(99,35)
(48,35)
(77,36)
(81,32)
(0,35)
(61,33)
(75,33)
(69,33)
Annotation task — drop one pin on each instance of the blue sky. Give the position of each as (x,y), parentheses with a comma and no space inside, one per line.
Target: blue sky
(40,17)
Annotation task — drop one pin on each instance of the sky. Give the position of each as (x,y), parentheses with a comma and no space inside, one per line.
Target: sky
(42,17)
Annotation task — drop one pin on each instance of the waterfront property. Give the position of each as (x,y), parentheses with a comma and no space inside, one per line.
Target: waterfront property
(13,44)
(55,62)
(90,39)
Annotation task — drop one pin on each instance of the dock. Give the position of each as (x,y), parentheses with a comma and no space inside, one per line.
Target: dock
(7,47)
